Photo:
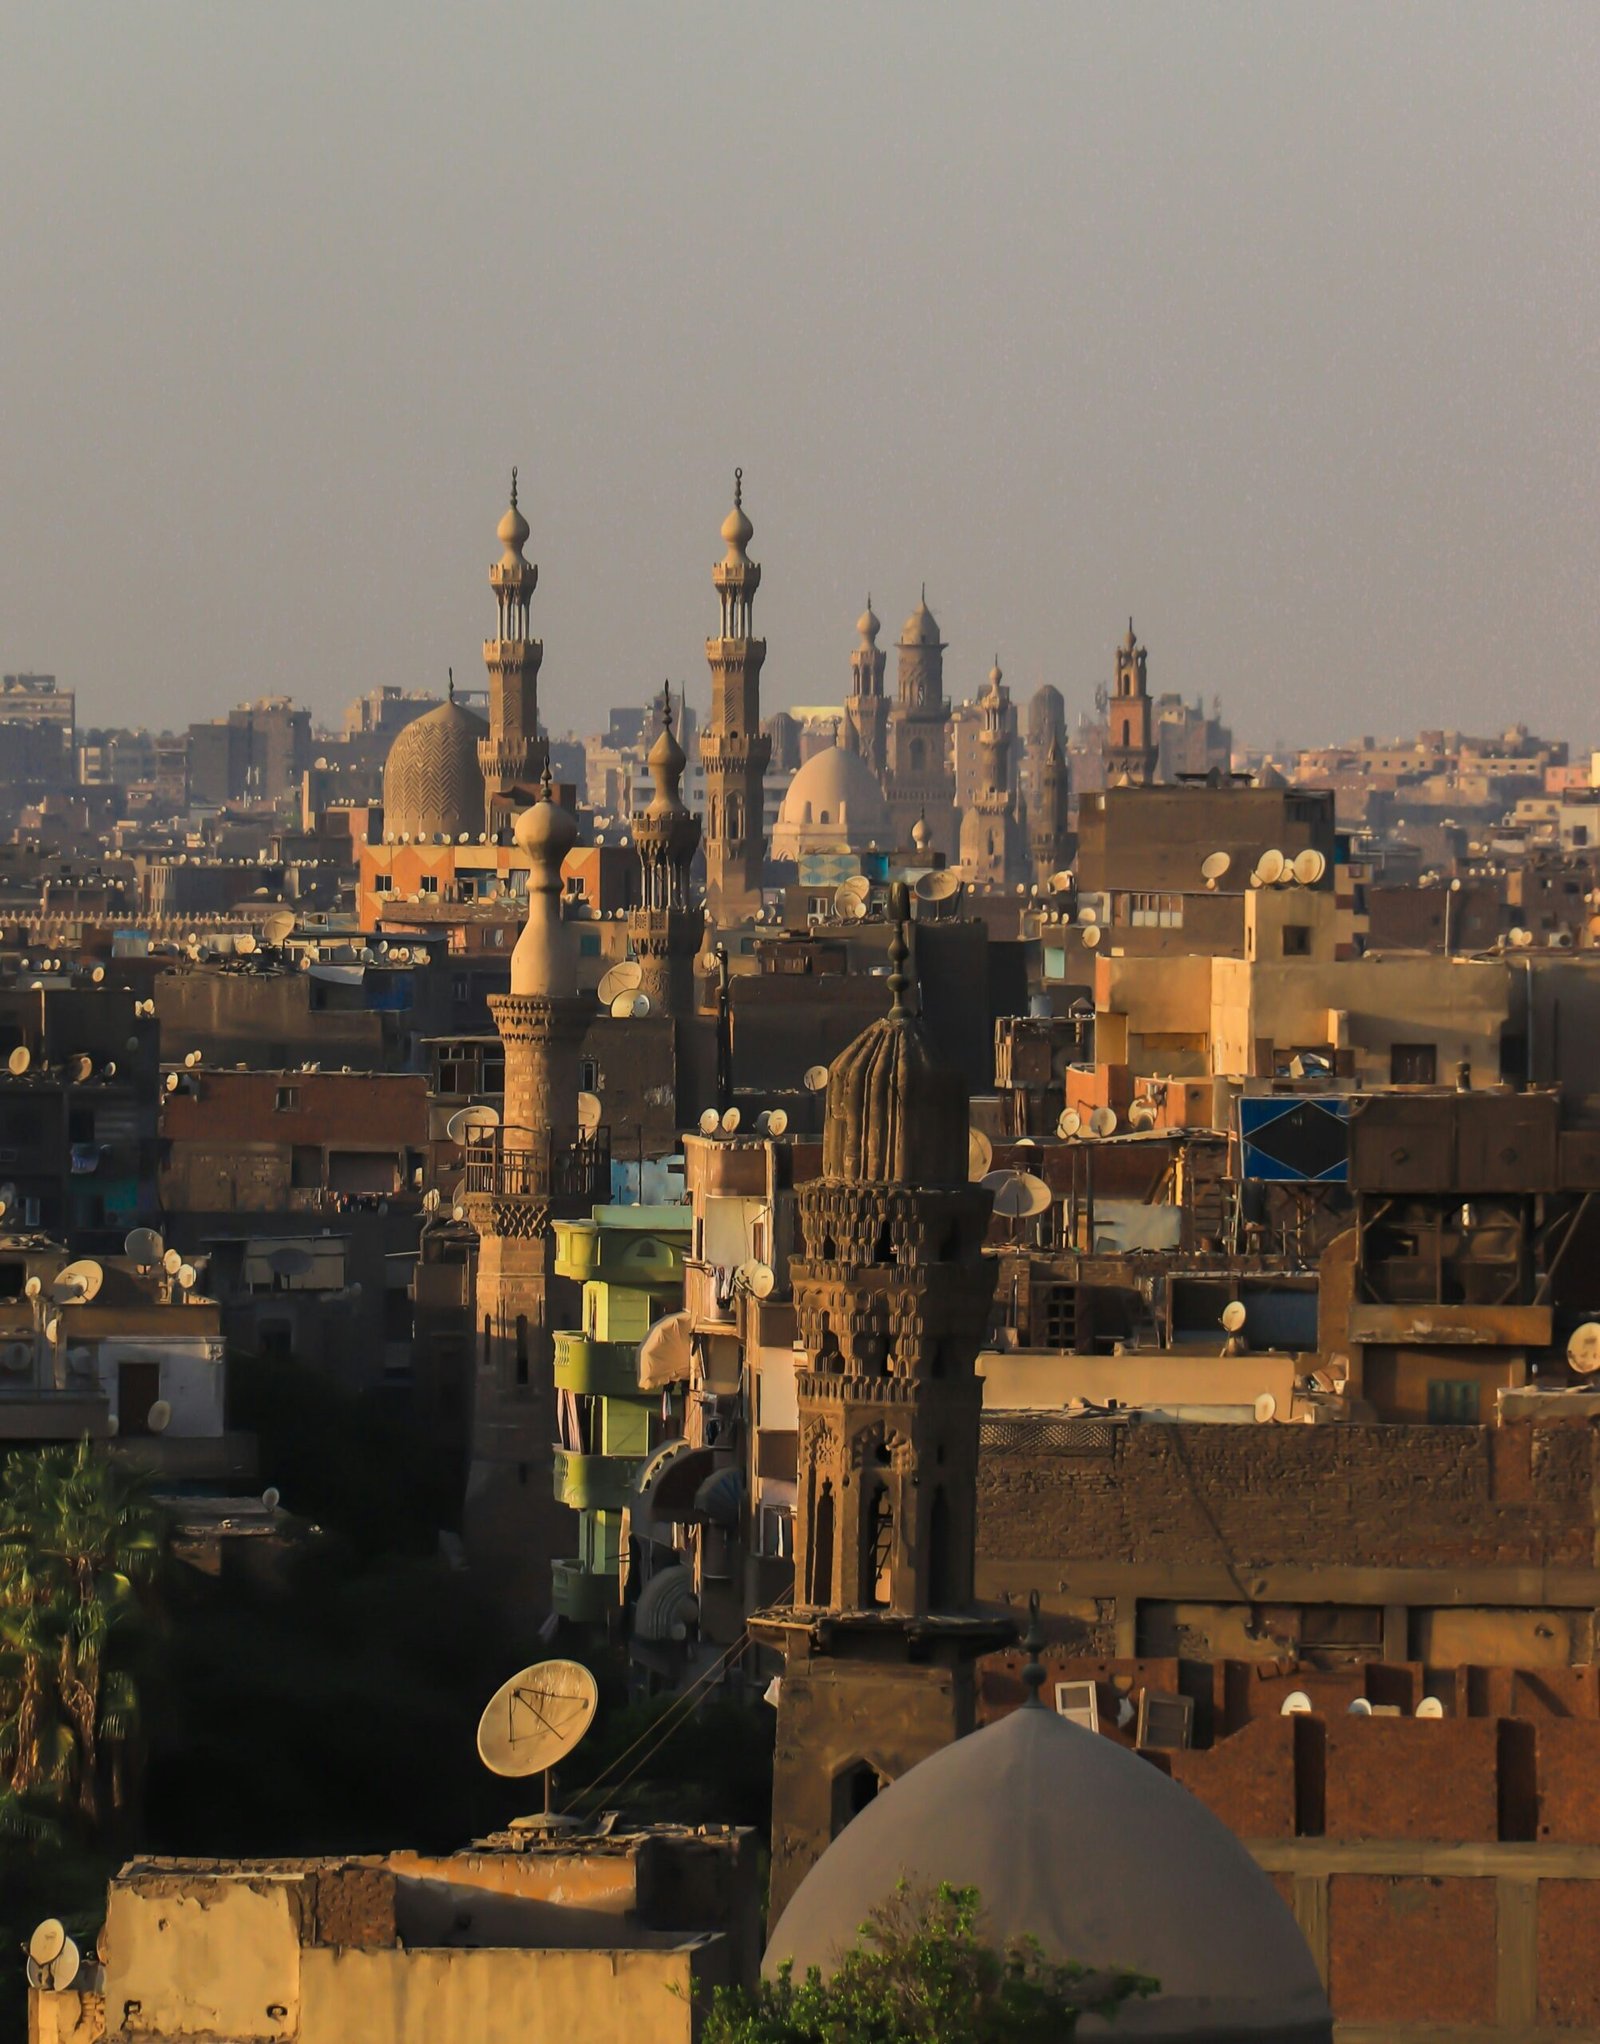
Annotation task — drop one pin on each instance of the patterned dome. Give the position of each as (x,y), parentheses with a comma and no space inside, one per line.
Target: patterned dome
(432,782)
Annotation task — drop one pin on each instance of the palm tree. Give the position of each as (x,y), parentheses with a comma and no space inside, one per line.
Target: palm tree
(78,1533)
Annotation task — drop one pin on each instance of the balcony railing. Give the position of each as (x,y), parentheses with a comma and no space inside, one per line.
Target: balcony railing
(525,1163)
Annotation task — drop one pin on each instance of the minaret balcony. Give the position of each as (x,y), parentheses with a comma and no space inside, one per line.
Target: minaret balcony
(540,1164)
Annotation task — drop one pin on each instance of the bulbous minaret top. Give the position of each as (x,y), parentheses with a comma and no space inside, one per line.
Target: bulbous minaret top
(545,960)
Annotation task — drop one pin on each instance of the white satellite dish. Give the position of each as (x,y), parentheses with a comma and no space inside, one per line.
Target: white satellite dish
(816,1078)
(1068,1122)
(1062,882)
(171,1082)
(32,1288)
(171,1262)
(1233,1315)
(1430,1707)
(1018,1195)
(849,908)
(756,1277)
(1141,1115)
(1266,1408)
(1359,1708)
(278,925)
(730,1121)
(58,1974)
(619,979)
(272,1497)
(1295,1704)
(159,1417)
(1103,1122)
(857,888)
(537,1718)
(710,1122)
(48,1942)
(97,977)
(1270,868)
(630,1007)
(80,1069)
(980,1154)
(187,1277)
(1583,1348)
(589,1111)
(80,1280)
(19,1061)
(244,943)
(1091,936)
(1309,866)
(938,885)
(1213,866)
(472,1124)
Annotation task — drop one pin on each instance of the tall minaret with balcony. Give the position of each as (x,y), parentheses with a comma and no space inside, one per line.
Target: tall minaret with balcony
(891,1294)
(1131,751)
(1050,839)
(666,928)
(992,850)
(534,1168)
(732,749)
(866,710)
(513,755)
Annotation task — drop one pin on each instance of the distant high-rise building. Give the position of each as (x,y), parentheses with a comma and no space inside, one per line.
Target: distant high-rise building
(733,750)
(256,754)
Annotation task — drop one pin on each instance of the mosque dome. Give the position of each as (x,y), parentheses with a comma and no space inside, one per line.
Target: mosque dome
(512,531)
(1073,1840)
(546,830)
(833,803)
(867,624)
(432,782)
(921,628)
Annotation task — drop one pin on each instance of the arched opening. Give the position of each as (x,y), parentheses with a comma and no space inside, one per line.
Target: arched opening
(877,1551)
(941,1590)
(883,1251)
(522,1348)
(853,1788)
(820,1552)
(919,755)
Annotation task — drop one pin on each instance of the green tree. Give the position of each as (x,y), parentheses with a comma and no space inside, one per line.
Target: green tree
(923,1973)
(78,1533)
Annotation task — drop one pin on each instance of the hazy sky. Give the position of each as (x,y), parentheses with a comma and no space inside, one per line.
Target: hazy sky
(1276,326)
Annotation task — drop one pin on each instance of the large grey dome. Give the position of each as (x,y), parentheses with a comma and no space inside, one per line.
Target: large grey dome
(1069,1837)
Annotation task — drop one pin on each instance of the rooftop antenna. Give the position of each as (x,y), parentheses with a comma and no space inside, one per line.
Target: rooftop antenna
(533,1722)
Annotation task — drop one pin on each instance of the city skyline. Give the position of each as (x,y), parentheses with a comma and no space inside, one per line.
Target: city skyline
(1289,367)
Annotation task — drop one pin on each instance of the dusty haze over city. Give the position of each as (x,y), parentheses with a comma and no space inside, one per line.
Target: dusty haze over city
(1275,326)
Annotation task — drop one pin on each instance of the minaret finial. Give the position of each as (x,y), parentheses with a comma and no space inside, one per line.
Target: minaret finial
(451,685)
(513,486)
(1033,1670)
(738,489)
(924,593)
(546,787)
(666,705)
(899,951)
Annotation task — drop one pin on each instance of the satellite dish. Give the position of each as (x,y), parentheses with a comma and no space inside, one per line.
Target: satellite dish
(589,1111)
(938,885)
(191,1059)
(159,1417)
(630,1007)
(244,943)
(288,1262)
(143,1248)
(1296,1704)
(80,1280)
(849,908)
(187,1275)
(19,1061)
(1430,1707)
(1213,866)
(80,1069)
(272,1497)
(857,888)
(278,925)
(32,1288)
(52,1329)
(778,1122)
(1091,936)
(710,1122)
(1233,1315)
(537,1718)
(1309,866)
(706,964)
(1061,883)
(730,1121)
(170,1082)
(1359,1708)
(1583,1348)
(816,1078)
(756,1277)
(1266,1408)
(1270,868)
(60,1973)
(619,979)
(172,1263)
(1068,1123)
(1141,1115)
(471,1123)
(980,1153)
(48,1942)
(431,1200)
(1103,1122)
(1018,1194)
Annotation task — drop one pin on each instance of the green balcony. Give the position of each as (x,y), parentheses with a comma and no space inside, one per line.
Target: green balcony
(580,1596)
(594,1483)
(596,1369)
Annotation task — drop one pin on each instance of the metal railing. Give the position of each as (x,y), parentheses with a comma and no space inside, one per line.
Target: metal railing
(525,1163)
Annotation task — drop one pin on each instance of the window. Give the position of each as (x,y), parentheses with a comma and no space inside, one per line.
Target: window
(382,883)
(1155,911)
(1297,940)
(588,1076)
(522,1348)
(1413,1064)
(1452,1402)
(588,943)
(286,1100)
(428,884)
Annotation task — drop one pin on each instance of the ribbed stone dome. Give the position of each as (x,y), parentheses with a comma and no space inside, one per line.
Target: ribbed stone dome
(432,782)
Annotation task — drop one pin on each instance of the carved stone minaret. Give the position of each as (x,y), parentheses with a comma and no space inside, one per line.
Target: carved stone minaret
(892,1296)
(733,750)
(666,927)
(513,755)
(535,1167)
(1130,734)
(991,836)
(866,710)
(1051,841)
(920,780)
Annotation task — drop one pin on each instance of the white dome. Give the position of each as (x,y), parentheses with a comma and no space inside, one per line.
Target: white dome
(1072,1839)
(834,803)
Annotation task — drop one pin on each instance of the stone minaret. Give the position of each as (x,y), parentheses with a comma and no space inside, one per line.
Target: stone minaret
(991,838)
(513,755)
(1051,841)
(866,710)
(1130,734)
(666,927)
(892,1296)
(920,779)
(732,749)
(535,1168)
